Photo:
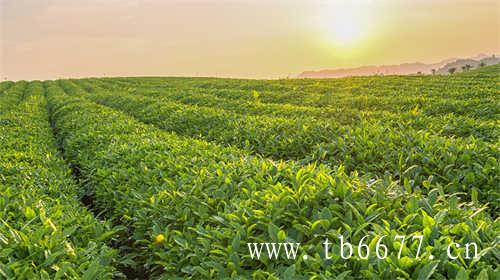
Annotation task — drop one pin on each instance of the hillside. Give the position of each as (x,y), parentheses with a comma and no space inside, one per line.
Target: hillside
(402,69)
(474,63)
(176,178)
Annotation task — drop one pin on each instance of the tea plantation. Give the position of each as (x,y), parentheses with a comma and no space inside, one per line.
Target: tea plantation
(173,178)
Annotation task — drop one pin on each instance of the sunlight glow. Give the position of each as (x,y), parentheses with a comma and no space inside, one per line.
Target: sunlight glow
(344,24)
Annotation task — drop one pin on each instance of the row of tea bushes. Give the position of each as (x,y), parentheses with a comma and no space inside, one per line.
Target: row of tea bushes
(417,158)
(450,124)
(192,206)
(45,233)
(471,94)
(11,95)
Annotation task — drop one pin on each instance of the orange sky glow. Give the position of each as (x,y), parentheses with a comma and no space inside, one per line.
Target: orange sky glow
(48,39)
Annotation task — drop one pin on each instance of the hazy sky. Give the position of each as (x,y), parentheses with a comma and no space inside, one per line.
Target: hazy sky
(44,39)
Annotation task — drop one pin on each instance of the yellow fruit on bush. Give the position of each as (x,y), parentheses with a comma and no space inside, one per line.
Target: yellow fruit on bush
(159,239)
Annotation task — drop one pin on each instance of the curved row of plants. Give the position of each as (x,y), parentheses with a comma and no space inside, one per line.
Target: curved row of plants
(195,96)
(11,96)
(426,85)
(447,125)
(5,86)
(467,98)
(472,96)
(416,158)
(192,206)
(45,233)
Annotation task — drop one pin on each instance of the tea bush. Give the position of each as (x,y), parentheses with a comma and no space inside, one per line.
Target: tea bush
(179,175)
(415,157)
(45,233)
(191,206)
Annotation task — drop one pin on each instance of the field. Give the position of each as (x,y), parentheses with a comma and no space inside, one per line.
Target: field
(164,178)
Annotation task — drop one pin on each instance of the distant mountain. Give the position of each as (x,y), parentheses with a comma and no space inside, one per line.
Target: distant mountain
(474,63)
(400,69)
(480,56)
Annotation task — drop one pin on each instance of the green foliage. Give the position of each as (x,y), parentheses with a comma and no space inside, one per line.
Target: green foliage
(208,201)
(373,148)
(44,231)
(185,172)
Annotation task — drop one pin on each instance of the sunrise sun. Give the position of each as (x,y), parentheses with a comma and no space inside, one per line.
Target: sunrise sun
(344,25)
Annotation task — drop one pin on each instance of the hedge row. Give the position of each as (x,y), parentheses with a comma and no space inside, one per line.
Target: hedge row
(45,233)
(192,206)
(417,158)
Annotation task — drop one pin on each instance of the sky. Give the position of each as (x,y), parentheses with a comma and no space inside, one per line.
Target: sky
(49,39)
